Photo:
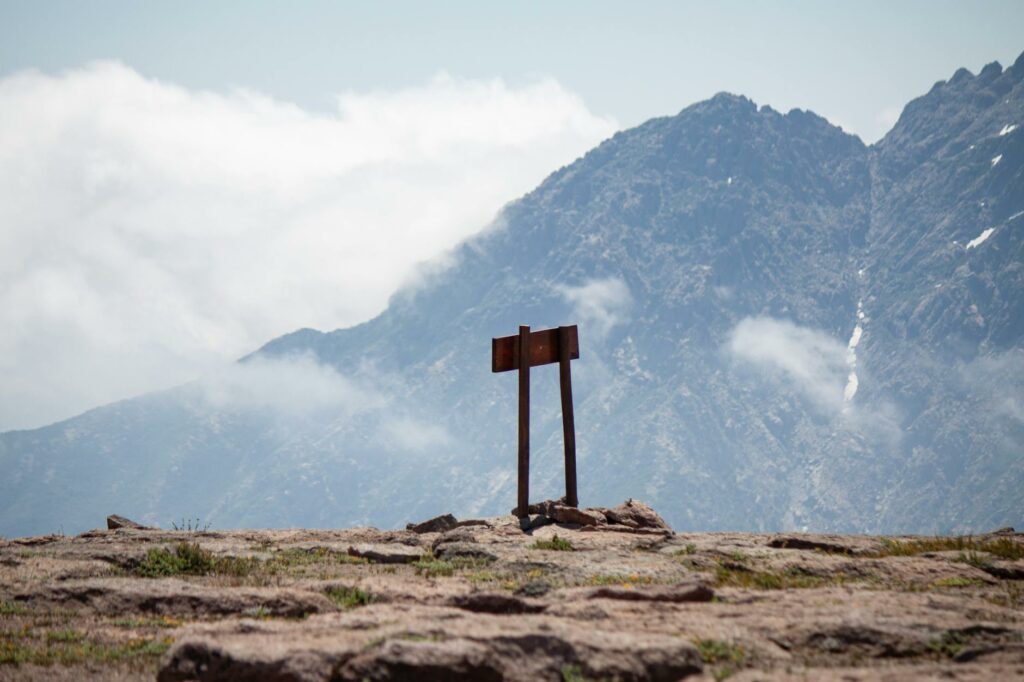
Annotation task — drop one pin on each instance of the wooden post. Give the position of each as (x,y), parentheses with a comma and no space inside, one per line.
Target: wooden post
(524,420)
(568,424)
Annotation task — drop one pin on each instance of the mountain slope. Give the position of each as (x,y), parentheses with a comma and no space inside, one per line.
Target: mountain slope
(780,327)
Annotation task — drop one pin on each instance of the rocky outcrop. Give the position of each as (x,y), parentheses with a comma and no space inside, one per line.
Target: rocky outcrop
(490,601)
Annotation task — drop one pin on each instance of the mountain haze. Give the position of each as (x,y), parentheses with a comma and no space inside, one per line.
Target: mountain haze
(781,328)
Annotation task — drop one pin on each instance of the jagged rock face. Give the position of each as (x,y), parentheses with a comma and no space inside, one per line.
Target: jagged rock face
(780,326)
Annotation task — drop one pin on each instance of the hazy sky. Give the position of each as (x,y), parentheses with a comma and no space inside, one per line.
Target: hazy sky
(181,182)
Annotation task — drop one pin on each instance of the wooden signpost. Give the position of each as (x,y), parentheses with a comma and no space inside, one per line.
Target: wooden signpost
(530,349)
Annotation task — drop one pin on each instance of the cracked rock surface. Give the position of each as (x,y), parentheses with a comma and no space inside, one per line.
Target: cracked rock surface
(489,601)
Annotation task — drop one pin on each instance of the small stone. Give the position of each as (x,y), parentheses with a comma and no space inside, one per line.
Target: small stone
(438,524)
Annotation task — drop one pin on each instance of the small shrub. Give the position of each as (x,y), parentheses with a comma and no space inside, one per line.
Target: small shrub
(1004,548)
(190,525)
(8,609)
(190,559)
(64,636)
(617,579)
(348,597)
(429,567)
(555,544)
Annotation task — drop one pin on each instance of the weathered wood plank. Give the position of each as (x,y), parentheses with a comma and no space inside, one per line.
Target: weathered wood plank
(543,349)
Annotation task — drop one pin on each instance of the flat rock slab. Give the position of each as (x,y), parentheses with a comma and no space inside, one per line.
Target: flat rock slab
(679,593)
(424,643)
(386,554)
(174,598)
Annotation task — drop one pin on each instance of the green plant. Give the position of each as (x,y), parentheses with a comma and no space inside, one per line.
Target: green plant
(190,559)
(618,579)
(8,609)
(957,581)
(555,544)
(158,622)
(714,651)
(1004,548)
(190,525)
(433,568)
(572,673)
(348,597)
(64,636)
(949,644)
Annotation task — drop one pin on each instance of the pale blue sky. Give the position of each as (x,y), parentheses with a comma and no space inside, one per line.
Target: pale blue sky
(855,62)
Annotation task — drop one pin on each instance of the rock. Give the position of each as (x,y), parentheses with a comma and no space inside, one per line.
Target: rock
(812,542)
(534,588)
(532,521)
(468,550)
(437,524)
(417,642)
(170,596)
(562,513)
(114,522)
(494,602)
(474,522)
(682,592)
(635,514)
(1006,570)
(583,517)
(386,554)
(456,535)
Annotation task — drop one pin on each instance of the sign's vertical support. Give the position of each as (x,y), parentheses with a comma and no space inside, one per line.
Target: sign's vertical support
(524,420)
(568,425)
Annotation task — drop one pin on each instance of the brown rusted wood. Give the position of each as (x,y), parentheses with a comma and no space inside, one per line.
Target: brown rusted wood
(543,349)
(523,364)
(568,422)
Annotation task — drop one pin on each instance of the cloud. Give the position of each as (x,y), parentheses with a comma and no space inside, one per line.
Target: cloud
(149,233)
(289,385)
(407,433)
(998,381)
(812,361)
(599,304)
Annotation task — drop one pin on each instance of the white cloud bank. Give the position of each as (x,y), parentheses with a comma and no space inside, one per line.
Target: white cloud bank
(149,232)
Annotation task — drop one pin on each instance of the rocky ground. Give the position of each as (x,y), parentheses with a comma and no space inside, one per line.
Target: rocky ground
(605,594)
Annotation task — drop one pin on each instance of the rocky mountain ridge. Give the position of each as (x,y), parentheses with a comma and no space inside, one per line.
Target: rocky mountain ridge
(781,328)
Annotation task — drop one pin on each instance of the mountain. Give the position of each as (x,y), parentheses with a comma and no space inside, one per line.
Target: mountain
(780,328)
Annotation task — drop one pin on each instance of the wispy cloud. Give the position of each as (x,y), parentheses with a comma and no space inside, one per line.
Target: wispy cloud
(290,385)
(810,360)
(151,232)
(599,304)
